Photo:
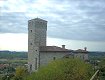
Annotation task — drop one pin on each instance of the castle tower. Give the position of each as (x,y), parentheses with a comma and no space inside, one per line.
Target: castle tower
(37,29)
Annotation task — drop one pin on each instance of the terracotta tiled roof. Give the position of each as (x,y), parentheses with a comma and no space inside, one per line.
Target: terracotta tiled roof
(53,48)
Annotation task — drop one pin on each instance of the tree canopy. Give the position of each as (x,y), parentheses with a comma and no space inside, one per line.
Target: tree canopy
(21,73)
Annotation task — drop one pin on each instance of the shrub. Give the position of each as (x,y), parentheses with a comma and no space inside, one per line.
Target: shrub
(64,69)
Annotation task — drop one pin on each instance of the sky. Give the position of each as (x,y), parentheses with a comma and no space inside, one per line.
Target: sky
(74,23)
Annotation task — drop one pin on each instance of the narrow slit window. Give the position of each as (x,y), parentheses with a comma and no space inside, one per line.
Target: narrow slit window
(30,43)
(83,57)
(54,58)
(35,63)
(31,67)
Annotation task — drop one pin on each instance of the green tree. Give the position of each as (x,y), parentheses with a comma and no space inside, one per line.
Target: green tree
(21,73)
(64,69)
(7,77)
(102,69)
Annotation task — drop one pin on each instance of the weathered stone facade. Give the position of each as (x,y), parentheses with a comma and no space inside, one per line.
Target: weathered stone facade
(38,53)
(81,53)
(83,56)
(50,53)
(36,37)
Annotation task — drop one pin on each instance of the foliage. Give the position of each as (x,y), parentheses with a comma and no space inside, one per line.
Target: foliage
(102,69)
(7,69)
(102,63)
(96,55)
(21,72)
(64,69)
(7,77)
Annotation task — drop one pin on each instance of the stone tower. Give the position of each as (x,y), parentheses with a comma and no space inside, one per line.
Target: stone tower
(37,29)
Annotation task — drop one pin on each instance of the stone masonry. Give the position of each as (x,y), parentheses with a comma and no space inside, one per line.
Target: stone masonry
(36,37)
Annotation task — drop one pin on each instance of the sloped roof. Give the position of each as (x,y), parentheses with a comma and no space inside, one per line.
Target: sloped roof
(80,51)
(53,49)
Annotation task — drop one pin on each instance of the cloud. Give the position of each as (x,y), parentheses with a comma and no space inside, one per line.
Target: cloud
(13,22)
(67,19)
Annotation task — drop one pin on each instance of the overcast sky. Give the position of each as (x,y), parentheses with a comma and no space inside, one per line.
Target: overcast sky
(76,23)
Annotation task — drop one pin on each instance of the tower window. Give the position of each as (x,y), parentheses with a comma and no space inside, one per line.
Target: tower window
(31,67)
(54,58)
(83,57)
(30,43)
(31,30)
(35,63)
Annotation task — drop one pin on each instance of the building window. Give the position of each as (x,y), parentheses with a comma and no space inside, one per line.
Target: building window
(31,67)
(83,57)
(31,30)
(54,58)
(35,63)
(30,43)
(66,56)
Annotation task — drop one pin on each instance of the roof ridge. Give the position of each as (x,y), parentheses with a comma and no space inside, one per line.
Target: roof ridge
(52,48)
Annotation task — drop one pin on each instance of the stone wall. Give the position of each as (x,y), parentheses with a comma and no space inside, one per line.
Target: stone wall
(46,57)
(83,56)
(36,37)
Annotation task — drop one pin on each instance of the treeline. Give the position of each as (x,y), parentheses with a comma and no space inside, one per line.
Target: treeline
(98,54)
(64,69)
(12,54)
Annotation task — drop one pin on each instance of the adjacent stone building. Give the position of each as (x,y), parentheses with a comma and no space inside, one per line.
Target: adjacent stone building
(81,53)
(50,53)
(38,53)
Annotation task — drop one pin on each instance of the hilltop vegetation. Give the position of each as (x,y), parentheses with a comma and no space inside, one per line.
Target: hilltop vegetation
(64,69)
